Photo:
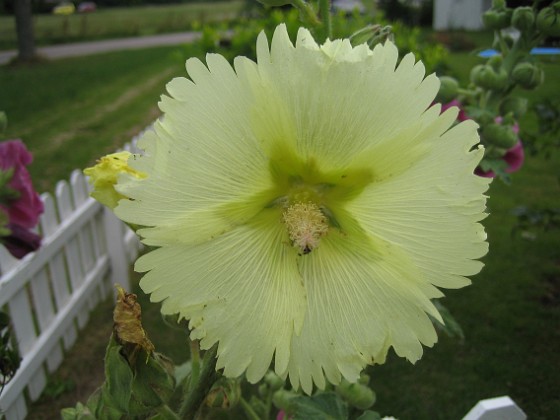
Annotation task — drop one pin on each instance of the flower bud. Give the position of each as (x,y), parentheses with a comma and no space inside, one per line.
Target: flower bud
(499,135)
(498,4)
(224,394)
(548,21)
(523,18)
(364,378)
(495,61)
(275,3)
(273,381)
(497,19)
(515,105)
(3,121)
(527,75)
(357,395)
(495,152)
(283,399)
(448,90)
(485,76)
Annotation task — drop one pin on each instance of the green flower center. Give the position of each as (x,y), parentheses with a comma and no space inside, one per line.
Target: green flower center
(312,199)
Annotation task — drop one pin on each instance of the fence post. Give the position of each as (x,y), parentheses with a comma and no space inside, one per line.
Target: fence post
(496,409)
(114,237)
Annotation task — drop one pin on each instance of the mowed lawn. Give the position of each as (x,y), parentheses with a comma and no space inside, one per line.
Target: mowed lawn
(69,112)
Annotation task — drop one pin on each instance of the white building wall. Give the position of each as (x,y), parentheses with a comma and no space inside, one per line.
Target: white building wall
(459,14)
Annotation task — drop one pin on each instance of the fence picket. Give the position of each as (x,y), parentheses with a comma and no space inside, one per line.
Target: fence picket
(44,308)
(80,196)
(85,248)
(72,248)
(22,321)
(49,223)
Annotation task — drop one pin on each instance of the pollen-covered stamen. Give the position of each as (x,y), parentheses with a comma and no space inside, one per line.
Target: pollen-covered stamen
(306,224)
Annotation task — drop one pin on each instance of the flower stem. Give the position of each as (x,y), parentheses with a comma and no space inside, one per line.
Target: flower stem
(325,8)
(199,389)
(195,361)
(307,13)
(251,415)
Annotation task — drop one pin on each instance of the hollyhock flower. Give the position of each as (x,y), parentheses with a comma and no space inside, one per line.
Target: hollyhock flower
(306,208)
(21,241)
(462,116)
(514,158)
(26,209)
(103,176)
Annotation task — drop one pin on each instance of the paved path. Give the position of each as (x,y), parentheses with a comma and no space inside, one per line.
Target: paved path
(95,47)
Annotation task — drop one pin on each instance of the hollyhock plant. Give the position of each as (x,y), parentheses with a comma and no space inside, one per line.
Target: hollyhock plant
(512,157)
(282,201)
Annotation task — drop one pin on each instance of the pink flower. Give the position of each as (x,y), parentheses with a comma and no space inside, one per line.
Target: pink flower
(462,114)
(514,158)
(25,210)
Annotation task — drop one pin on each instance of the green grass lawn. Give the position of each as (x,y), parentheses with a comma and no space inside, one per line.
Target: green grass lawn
(71,111)
(120,22)
(68,112)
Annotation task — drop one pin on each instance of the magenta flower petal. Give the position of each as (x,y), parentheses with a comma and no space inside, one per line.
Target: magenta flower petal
(21,241)
(26,209)
(514,157)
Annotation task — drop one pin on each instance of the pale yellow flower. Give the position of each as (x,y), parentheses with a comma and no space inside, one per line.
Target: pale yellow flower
(104,174)
(307,207)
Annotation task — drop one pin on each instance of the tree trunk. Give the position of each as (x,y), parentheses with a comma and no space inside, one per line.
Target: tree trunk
(24,29)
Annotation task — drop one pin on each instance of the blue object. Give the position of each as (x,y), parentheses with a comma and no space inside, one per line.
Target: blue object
(535,51)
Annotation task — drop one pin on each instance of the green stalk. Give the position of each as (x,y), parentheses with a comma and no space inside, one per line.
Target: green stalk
(325,8)
(199,390)
(251,415)
(195,361)
(307,13)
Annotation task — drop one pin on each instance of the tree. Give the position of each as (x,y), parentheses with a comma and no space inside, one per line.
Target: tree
(24,29)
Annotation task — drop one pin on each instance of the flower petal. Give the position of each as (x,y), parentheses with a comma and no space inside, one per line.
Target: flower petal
(431,210)
(326,114)
(198,163)
(242,289)
(363,297)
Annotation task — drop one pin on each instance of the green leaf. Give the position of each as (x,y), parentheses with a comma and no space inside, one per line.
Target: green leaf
(118,378)
(81,412)
(153,384)
(323,406)
(370,415)
(451,326)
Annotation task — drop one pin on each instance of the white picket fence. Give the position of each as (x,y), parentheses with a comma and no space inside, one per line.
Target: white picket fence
(49,294)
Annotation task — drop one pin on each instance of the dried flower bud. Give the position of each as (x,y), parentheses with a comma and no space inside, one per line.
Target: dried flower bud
(527,75)
(224,394)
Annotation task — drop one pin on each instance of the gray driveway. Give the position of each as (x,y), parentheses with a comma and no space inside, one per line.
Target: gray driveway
(95,47)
